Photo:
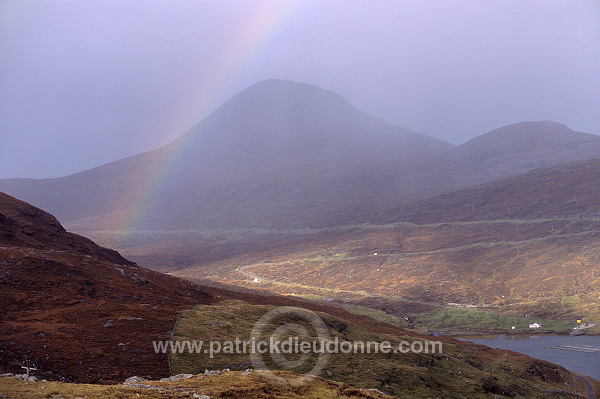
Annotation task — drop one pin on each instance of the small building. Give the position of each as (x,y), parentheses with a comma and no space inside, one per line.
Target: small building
(535,325)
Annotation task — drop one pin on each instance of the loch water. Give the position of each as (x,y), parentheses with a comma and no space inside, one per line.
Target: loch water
(543,347)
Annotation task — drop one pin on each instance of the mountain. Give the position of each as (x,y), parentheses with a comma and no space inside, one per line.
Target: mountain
(509,151)
(286,155)
(280,154)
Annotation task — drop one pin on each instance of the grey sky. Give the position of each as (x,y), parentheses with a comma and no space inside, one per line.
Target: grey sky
(88,82)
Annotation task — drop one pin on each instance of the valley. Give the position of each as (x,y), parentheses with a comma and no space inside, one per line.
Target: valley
(470,264)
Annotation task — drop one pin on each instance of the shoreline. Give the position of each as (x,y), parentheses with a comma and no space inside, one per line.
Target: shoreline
(495,334)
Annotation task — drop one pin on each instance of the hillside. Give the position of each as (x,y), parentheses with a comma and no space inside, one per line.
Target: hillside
(461,369)
(525,245)
(564,191)
(78,311)
(24,226)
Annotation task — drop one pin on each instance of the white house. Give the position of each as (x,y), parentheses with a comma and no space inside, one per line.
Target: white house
(535,325)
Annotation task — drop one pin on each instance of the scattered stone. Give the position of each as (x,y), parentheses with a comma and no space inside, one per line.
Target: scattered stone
(138,279)
(177,377)
(198,396)
(212,372)
(135,379)
(144,386)
(376,390)
(25,377)
(225,371)
(109,323)
(7,375)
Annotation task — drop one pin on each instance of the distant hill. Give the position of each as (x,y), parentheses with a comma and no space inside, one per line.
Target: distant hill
(564,191)
(515,149)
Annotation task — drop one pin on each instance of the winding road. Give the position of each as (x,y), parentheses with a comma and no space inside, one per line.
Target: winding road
(588,386)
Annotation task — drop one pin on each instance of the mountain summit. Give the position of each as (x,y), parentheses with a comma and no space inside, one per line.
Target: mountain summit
(279,122)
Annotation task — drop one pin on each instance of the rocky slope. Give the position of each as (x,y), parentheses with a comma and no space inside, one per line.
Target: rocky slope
(77,311)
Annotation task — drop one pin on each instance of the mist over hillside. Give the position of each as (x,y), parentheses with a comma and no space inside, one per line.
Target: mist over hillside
(286,155)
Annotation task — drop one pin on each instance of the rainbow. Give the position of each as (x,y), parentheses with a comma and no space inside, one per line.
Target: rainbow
(257,29)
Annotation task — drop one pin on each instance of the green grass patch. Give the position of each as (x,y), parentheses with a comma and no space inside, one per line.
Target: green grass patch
(454,373)
(460,319)
(379,315)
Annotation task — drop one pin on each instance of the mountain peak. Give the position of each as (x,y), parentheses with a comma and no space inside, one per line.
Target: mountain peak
(285,97)
(526,134)
(274,121)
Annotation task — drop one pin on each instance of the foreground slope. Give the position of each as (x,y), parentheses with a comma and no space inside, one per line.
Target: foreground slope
(228,385)
(456,369)
(77,311)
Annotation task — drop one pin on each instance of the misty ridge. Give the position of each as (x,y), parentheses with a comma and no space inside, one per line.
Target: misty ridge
(287,155)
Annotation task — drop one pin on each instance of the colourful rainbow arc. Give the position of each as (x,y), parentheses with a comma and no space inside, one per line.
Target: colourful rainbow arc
(260,25)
